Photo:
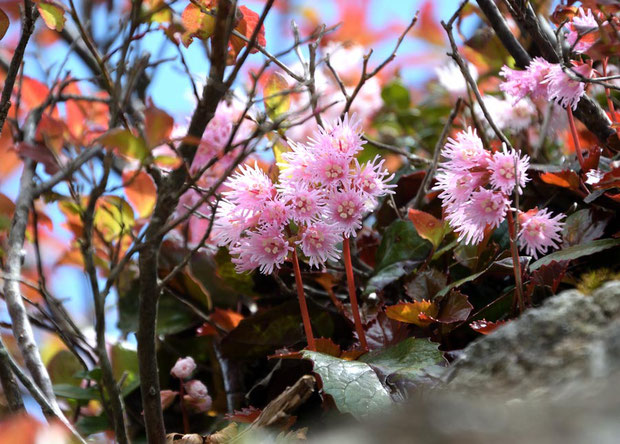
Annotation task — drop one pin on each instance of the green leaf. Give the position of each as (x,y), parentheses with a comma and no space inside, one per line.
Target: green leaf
(396,94)
(407,358)
(353,385)
(89,425)
(125,365)
(401,242)
(73,392)
(460,282)
(387,275)
(4,23)
(576,251)
(62,367)
(53,14)
(126,143)
(113,217)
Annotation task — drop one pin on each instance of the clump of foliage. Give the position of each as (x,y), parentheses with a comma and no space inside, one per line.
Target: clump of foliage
(313,237)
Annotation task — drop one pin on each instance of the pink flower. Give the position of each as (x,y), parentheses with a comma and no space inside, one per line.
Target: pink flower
(330,169)
(196,389)
(265,249)
(564,90)
(539,68)
(539,231)
(304,202)
(585,25)
(457,186)
(502,168)
(342,137)
(183,368)
(372,179)
(296,165)
(465,152)
(275,212)
(485,209)
(249,188)
(345,208)
(230,223)
(518,84)
(319,243)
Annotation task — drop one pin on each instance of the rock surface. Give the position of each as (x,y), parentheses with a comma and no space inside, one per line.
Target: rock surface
(552,376)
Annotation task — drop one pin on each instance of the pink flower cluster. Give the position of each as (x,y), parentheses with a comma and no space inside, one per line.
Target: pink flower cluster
(544,80)
(197,397)
(476,186)
(322,189)
(582,31)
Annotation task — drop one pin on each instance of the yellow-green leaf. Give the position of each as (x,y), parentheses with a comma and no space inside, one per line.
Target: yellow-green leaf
(53,14)
(277,101)
(126,143)
(113,217)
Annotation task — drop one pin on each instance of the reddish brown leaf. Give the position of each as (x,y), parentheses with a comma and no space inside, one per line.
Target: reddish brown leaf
(592,158)
(485,327)
(609,180)
(565,179)
(383,331)
(4,23)
(455,307)
(246,26)
(226,319)
(158,125)
(39,153)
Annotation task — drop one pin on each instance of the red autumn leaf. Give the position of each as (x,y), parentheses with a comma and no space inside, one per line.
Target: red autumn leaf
(9,157)
(140,191)
(592,158)
(33,92)
(565,179)
(246,26)
(157,125)
(410,312)
(485,327)
(428,27)
(609,180)
(4,23)
(51,132)
(246,415)
(226,319)
(428,226)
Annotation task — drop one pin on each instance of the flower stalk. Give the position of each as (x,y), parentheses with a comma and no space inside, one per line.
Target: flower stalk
(516,263)
(346,253)
(573,130)
(303,306)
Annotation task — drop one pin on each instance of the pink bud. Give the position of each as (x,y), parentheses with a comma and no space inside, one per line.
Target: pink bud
(183,368)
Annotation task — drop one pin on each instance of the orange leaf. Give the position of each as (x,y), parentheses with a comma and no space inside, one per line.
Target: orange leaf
(140,191)
(328,347)
(197,24)
(158,125)
(428,27)
(420,313)
(226,319)
(34,93)
(246,27)
(428,226)
(565,179)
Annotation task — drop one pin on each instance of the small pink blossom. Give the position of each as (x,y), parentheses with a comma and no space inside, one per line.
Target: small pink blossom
(305,202)
(345,208)
(265,249)
(466,151)
(457,186)
(230,223)
(583,24)
(564,90)
(183,368)
(518,84)
(539,231)
(319,243)
(539,68)
(372,179)
(296,165)
(249,188)
(485,209)
(196,389)
(274,212)
(330,169)
(342,137)
(502,168)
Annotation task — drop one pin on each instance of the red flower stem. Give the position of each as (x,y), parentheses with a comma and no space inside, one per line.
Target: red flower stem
(610,103)
(573,130)
(346,252)
(516,263)
(183,410)
(302,302)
